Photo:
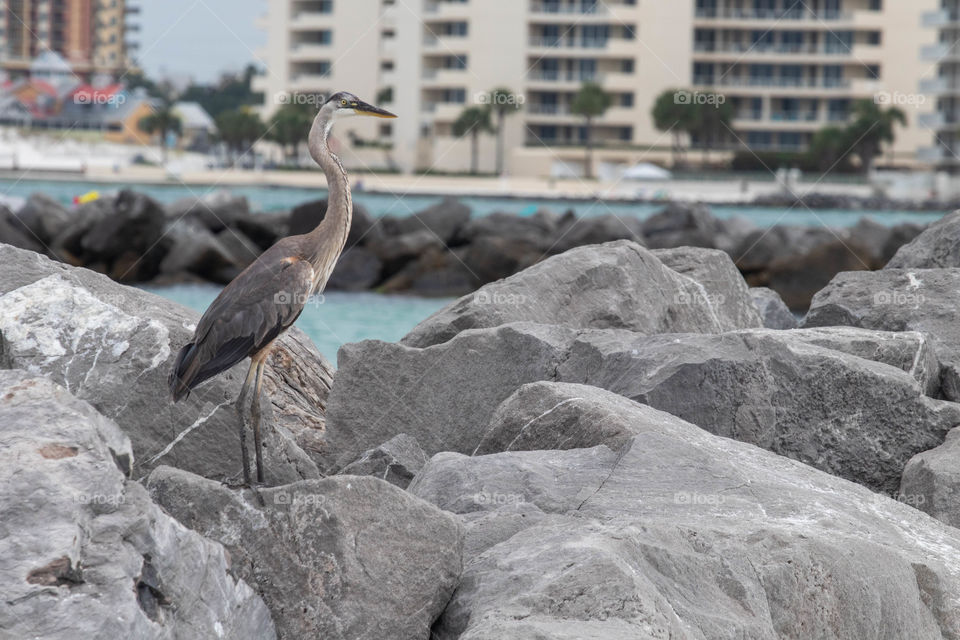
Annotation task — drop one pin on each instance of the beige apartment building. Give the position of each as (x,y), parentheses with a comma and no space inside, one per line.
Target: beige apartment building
(944,88)
(788,67)
(91,35)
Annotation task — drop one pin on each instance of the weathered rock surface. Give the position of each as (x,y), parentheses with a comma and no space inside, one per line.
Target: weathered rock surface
(43,216)
(114,346)
(938,247)
(397,461)
(931,481)
(922,300)
(773,311)
(357,270)
(340,558)
(84,553)
(616,285)
(442,396)
(683,535)
(443,220)
(725,288)
(856,418)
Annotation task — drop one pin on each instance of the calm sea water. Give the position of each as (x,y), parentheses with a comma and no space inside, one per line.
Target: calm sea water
(335,318)
(283,198)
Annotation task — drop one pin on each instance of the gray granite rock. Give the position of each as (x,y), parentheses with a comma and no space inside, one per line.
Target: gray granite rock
(84,553)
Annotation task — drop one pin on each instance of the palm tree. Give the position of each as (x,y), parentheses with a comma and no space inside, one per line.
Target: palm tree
(676,116)
(473,120)
(162,121)
(712,119)
(289,127)
(239,129)
(504,102)
(828,147)
(871,127)
(590,102)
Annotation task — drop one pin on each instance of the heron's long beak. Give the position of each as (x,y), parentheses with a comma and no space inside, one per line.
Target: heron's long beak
(364,109)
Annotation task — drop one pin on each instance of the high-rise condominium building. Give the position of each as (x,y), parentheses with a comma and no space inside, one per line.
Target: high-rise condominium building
(943,56)
(89,34)
(788,67)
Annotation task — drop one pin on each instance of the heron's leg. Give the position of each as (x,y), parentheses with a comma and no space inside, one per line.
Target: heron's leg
(255,411)
(241,410)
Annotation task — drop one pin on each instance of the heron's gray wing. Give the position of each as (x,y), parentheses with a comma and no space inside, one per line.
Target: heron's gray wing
(256,307)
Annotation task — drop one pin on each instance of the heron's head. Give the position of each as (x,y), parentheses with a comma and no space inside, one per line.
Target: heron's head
(344,104)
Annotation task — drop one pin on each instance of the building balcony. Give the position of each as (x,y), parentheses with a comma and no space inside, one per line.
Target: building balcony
(433,43)
(931,155)
(791,86)
(438,77)
(940,18)
(857,53)
(310,51)
(937,52)
(304,20)
(309,82)
(447,9)
(768,18)
(563,77)
(943,85)
(934,121)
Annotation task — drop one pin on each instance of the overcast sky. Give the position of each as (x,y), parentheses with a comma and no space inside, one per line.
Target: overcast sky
(201,38)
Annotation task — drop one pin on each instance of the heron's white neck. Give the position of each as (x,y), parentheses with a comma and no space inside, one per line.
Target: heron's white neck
(330,236)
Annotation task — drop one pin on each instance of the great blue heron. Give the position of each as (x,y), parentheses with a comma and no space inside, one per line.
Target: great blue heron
(269,295)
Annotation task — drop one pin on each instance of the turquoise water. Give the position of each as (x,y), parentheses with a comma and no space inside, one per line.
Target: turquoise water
(335,318)
(265,198)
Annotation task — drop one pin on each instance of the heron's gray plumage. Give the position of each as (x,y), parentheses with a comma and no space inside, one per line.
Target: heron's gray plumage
(267,297)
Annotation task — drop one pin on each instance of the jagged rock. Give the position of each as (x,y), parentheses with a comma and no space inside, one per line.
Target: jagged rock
(490,258)
(443,220)
(773,311)
(437,272)
(84,553)
(215,211)
(114,347)
(935,248)
(725,288)
(397,461)
(442,396)
(44,217)
(682,225)
(923,300)
(14,231)
(856,418)
(536,231)
(797,278)
(357,270)
(396,251)
(340,558)
(683,534)
(931,481)
(758,250)
(598,230)
(619,284)
(196,250)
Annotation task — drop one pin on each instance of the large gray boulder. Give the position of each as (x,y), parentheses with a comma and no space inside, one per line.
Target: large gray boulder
(922,300)
(938,247)
(796,395)
(397,461)
(84,553)
(773,311)
(725,288)
(443,220)
(682,534)
(340,558)
(43,216)
(848,401)
(931,481)
(114,346)
(618,285)
(442,396)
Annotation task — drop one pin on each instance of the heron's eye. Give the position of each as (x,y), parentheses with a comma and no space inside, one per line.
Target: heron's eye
(343,102)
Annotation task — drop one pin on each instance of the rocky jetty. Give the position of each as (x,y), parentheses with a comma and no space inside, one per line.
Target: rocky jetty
(441,251)
(614,442)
